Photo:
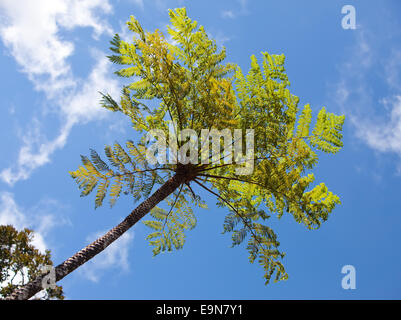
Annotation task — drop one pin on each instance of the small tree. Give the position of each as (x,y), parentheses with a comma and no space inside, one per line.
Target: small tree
(195,90)
(20,261)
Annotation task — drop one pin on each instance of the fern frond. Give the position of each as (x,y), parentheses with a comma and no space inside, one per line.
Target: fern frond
(98,162)
(101,192)
(326,136)
(304,122)
(109,103)
(115,190)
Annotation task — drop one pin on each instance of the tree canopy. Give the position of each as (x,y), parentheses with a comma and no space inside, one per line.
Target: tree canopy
(183,79)
(20,262)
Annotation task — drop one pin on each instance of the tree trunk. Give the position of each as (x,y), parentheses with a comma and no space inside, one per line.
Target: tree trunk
(87,253)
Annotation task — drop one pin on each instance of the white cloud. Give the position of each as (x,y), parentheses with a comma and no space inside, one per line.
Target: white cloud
(244,5)
(42,218)
(79,106)
(124,33)
(228,14)
(82,14)
(375,115)
(114,257)
(10,213)
(32,34)
(35,152)
(393,70)
(83,104)
(139,3)
(239,11)
(16,278)
(384,135)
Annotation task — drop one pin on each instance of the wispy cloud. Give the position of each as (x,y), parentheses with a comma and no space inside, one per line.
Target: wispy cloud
(114,258)
(80,105)
(32,34)
(220,38)
(35,152)
(383,134)
(228,14)
(241,9)
(42,218)
(369,91)
(393,70)
(139,3)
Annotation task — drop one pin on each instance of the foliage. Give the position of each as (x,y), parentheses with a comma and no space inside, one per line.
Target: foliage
(192,86)
(21,261)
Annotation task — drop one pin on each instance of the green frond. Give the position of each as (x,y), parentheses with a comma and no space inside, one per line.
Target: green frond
(138,153)
(115,43)
(128,72)
(101,193)
(136,27)
(98,162)
(96,172)
(158,213)
(271,266)
(120,154)
(239,236)
(90,168)
(263,246)
(115,47)
(88,187)
(109,103)
(115,190)
(173,224)
(327,132)
(115,59)
(86,176)
(113,159)
(230,221)
(155,225)
(304,122)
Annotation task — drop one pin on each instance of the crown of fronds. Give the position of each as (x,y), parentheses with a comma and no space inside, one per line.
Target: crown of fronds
(195,89)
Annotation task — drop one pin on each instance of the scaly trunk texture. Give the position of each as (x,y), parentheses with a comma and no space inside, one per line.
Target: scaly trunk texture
(87,253)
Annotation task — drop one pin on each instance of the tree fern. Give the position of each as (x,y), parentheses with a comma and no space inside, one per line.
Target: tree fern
(194,88)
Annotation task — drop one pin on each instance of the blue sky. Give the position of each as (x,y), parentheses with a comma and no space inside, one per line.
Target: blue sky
(52,62)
